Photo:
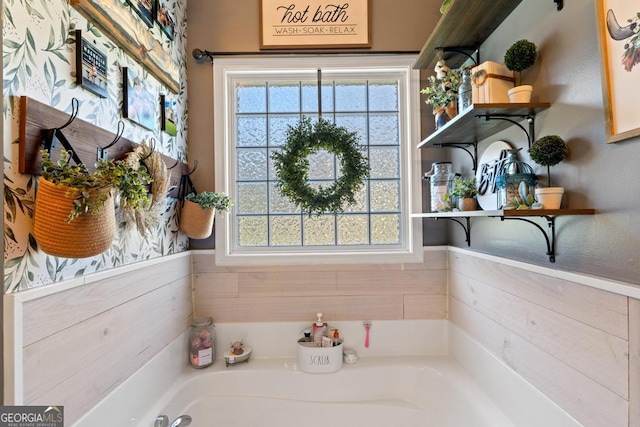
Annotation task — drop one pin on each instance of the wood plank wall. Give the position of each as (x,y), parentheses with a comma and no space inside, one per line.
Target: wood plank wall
(341,292)
(82,343)
(570,341)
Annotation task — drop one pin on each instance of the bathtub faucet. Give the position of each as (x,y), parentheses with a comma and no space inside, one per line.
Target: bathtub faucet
(163,421)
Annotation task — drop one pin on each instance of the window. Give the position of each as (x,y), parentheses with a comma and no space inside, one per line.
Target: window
(255,102)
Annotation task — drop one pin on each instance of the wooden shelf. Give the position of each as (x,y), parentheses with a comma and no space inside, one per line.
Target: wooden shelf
(505,213)
(472,125)
(466,23)
(549,234)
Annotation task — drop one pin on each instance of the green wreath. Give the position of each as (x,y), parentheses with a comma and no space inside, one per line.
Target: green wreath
(292,166)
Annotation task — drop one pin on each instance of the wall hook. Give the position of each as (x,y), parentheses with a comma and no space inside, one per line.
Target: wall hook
(49,136)
(174,165)
(195,166)
(75,107)
(153,148)
(102,153)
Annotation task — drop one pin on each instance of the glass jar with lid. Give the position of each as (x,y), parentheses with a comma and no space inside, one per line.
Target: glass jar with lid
(201,348)
(440,178)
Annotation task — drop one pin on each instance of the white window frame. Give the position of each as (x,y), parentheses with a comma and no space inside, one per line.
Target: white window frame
(227,70)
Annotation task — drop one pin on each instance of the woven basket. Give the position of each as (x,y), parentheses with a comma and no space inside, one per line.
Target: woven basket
(85,236)
(195,222)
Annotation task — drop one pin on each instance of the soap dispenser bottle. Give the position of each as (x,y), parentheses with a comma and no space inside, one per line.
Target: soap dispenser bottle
(319,329)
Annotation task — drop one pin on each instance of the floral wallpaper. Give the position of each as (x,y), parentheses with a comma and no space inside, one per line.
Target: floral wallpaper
(39,62)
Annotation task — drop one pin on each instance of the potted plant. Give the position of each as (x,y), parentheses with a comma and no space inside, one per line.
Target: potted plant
(442,93)
(549,151)
(520,56)
(198,213)
(75,210)
(465,190)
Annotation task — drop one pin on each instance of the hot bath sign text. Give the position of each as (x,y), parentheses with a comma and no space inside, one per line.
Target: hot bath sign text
(314,23)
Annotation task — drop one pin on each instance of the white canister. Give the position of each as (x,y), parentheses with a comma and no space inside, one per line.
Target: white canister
(314,359)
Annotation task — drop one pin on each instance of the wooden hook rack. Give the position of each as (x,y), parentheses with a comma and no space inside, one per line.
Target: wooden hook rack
(86,138)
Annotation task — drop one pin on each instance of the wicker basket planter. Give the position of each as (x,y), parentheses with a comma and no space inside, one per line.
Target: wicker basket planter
(85,236)
(196,222)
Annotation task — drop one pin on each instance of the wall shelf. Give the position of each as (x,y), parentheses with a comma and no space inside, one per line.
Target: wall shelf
(512,214)
(466,23)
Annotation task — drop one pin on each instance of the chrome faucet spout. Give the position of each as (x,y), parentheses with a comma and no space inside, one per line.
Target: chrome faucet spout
(161,421)
(182,420)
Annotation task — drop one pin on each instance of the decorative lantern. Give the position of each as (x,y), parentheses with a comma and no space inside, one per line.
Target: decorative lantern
(511,174)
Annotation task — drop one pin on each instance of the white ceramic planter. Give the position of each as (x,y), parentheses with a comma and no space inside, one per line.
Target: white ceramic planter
(550,197)
(520,94)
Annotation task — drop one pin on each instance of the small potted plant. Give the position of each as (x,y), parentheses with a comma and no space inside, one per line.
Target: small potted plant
(198,213)
(75,210)
(520,56)
(442,93)
(549,151)
(465,189)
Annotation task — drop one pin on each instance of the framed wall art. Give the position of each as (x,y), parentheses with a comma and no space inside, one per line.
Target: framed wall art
(168,115)
(618,21)
(115,20)
(165,19)
(138,99)
(314,24)
(91,66)
(145,9)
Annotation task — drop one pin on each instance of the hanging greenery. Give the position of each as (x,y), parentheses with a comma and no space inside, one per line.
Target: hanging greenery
(292,166)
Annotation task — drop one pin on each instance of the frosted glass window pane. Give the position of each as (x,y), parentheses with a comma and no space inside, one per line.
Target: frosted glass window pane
(385,196)
(284,97)
(353,230)
(286,231)
(319,230)
(278,126)
(354,123)
(252,163)
(384,162)
(280,204)
(385,229)
(310,98)
(361,201)
(384,129)
(383,96)
(251,97)
(350,96)
(321,165)
(252,198)
(252,231)
(251,131)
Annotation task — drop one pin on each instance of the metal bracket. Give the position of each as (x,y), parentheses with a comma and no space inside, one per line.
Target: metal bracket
(508,117)
(559,3)
(550,237)
(467,228)
(464,50)
(463,146)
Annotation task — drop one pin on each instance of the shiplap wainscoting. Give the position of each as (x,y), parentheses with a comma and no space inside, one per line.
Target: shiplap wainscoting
(570,341)
(340,292)
(80,343)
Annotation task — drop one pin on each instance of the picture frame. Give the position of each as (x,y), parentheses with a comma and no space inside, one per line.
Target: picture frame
(145,9)
(138,100)
(168,115)
(91,66)
(620,67)
(165,19)
(314,24)
(129,33)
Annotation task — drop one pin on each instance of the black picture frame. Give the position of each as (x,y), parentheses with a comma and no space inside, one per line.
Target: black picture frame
(168,115)
(165,18)
(138,101)
(145,9)
(91,66)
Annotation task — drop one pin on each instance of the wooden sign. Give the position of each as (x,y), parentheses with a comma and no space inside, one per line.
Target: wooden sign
(314,24)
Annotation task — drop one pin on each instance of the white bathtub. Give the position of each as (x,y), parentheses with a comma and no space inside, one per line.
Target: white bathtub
(447,380)
(384,392)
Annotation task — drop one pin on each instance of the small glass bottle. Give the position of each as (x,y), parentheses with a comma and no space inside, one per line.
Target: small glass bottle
(440,185)
(464,90)
(201,348)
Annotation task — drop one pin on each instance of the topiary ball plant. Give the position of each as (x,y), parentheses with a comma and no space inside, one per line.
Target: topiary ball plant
(549,151)
(520,56)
